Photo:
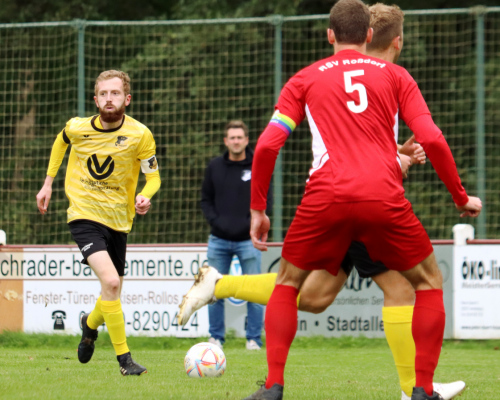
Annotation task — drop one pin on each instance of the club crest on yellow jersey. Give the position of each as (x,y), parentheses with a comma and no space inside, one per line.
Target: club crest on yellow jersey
(120,140)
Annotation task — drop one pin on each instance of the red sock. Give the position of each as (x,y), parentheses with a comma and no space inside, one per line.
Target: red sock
(281,326)
(428,330)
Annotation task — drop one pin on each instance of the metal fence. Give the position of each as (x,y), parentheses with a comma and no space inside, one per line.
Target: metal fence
(190,77)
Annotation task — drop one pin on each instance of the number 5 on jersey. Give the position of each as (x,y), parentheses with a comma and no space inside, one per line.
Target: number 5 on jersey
(356,87)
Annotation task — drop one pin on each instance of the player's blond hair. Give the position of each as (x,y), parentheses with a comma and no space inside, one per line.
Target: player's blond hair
(350,21)
(387,23)
(110,74)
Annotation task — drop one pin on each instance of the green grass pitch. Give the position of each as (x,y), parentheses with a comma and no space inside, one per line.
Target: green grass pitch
(46,367)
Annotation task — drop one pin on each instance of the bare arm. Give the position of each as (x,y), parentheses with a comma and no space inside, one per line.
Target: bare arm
(44,195)
(142,204)
(413,150)
(259,229)
(472,208)
(405,165)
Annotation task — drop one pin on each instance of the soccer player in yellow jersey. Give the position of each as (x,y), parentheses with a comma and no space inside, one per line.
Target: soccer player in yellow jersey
(107,152)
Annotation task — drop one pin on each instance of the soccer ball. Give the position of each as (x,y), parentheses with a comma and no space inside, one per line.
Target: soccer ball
(205,360)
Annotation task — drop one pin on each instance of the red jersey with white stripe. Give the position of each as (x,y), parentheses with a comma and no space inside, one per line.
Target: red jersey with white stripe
(351,102)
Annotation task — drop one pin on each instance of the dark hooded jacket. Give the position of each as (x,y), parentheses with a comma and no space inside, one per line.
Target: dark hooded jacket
(225,196)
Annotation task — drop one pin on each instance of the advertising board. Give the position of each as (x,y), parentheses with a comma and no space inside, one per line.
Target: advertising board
(476,295)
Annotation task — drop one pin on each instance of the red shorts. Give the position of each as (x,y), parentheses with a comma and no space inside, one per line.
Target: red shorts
(320,235)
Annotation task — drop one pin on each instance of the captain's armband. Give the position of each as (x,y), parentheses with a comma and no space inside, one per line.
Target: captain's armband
(149,165)
(286,124)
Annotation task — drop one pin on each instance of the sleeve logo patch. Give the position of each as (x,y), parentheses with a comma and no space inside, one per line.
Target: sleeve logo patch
(153,164)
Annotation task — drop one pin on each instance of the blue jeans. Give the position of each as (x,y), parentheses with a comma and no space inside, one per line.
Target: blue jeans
(220,254)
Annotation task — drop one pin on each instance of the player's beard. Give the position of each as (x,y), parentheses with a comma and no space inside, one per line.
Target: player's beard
(112,116)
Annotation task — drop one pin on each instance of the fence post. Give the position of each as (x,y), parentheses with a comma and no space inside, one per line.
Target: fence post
(277,21)
(479,12)
(80,27)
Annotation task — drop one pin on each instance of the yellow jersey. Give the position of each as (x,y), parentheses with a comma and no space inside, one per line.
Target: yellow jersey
(103,169)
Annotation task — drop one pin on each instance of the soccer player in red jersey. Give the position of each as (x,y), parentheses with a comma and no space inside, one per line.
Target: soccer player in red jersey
(354,192)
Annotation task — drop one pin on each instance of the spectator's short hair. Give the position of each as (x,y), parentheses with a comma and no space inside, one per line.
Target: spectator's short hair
(237,124)
(350,21)
(387,23)
(106,75)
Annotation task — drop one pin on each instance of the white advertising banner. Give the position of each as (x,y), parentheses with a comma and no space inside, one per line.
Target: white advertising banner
(476,294)
(357,310)
(58,288)
(46,289)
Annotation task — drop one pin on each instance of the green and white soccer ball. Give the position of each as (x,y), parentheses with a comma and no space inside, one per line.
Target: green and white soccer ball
(205,360)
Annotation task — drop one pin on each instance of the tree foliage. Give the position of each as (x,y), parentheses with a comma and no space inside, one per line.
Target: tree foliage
(189,80)
(131,10)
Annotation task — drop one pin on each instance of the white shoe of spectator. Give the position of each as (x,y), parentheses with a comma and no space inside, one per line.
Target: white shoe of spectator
(215,341)
(252,345)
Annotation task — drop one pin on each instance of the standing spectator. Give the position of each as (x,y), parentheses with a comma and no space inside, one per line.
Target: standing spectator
(225,201)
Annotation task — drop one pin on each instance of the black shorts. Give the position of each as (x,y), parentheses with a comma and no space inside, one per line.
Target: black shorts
(92,237)
(357,257)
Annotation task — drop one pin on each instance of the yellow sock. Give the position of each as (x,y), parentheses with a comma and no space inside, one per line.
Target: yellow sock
(95,319)
(252,288)
(113,315)
(397,327)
